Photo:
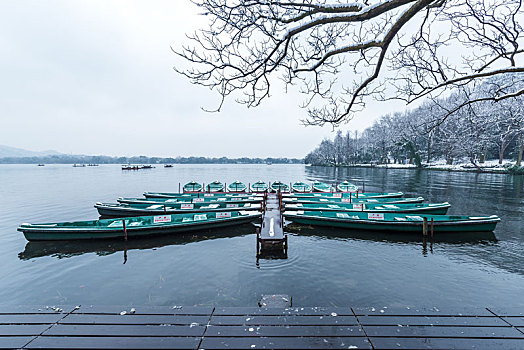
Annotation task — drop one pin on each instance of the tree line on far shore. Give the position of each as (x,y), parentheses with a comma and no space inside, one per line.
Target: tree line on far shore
(448,128)
(84,159)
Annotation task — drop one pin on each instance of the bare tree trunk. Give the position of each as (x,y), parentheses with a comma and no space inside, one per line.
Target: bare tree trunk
(521,149)
(429,148)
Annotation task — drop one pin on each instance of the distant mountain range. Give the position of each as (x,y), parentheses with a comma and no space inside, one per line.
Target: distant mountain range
(6,151)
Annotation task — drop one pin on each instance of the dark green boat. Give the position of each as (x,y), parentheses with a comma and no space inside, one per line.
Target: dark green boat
(347,186)
(279,186)
(136,209)
(321,187)
(259,186)
(213,198)
(394,222)
(164,195)
(347,195)
(237,186)
(135,226)
(192,186)
(429,208)
(335,200)
(301,187)
(215,186)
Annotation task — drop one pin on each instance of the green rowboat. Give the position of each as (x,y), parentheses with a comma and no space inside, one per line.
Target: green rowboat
(136,226)
(259,186)
(321,187)
(138,209)
(301,187)
(336,200)
(237,186)
(347,187)
(279,186)
(164,195)
(206,198)
(394,222)
(215,186)
(192,186)
(347,195)
(431,208)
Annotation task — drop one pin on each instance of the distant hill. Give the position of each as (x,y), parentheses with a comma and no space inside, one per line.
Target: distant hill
(6,151)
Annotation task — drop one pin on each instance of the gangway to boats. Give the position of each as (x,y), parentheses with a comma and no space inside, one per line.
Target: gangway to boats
(271,236)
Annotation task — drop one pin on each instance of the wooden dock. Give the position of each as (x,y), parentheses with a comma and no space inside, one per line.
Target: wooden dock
(271,236)
(113,327)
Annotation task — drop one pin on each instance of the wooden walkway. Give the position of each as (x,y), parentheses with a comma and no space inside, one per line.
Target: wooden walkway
(110,327)
(272,235)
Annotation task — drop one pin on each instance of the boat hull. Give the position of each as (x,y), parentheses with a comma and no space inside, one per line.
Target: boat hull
(428,209)
(59,234)
(115,211)
(486,225)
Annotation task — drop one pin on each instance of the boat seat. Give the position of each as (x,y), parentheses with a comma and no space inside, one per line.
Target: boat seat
(400,219)
(155,206)
(117,223)
(172,200)
(136,223)
(334,206)
(414,218)
(372,200)
(390,206)
(323,200)
(343,215)
(221,199)
(187,219)
(199,217)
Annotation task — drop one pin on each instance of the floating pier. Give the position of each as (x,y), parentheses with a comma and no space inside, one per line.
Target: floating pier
(124,327)
(271,237)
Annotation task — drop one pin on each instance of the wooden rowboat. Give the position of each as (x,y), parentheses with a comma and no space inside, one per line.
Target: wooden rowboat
(237,186)
(120,210)
(336,200)
(135,226)
(279,186)
(259,186)
(347,187)
(425,208)
(192,186)
(321,187)
(347,195)
(194,199)
(301,187)
(394,222)
(215,186)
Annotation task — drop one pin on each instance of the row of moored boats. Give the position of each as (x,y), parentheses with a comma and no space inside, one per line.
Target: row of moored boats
(209,206)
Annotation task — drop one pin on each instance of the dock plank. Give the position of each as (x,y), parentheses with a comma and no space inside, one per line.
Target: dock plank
(23,329)
(14,342)
(133,319)
(443,332)
(145,310)
(125,330)
(115,343)
(412,311)
(431,321)
(286,343)
(31,318)
(259,320)
(446,343)
(284,331)
(299,311)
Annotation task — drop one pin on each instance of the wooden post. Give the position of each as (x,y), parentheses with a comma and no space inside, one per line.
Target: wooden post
(179,187)
(125,230)
(164,208)
(350,197)
(363,187)
(425,226)
(431,228)
(357,193)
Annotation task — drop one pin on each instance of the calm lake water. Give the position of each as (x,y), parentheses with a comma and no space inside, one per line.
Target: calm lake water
(324,266)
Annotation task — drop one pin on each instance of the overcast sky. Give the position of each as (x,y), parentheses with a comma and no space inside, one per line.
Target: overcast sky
(96,77)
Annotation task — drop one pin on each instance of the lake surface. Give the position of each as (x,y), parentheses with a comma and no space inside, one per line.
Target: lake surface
(324,266)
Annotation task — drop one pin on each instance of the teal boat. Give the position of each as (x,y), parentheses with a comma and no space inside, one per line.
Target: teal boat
(279,186)
(215,186)
(301,187)
(347,187)
(347,195)
(164,195)
(119,210)
(336,200)
(394,222)
(237,186)
(207,198)
(192,186)
(425,208)
(135,226)
(259,186)
(321,187)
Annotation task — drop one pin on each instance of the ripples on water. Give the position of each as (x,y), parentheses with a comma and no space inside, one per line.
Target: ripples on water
(324,266)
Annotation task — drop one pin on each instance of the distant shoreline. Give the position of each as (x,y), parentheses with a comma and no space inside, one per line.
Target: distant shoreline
(438,167)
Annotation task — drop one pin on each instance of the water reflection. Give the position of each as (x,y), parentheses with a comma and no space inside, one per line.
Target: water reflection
(68,249)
